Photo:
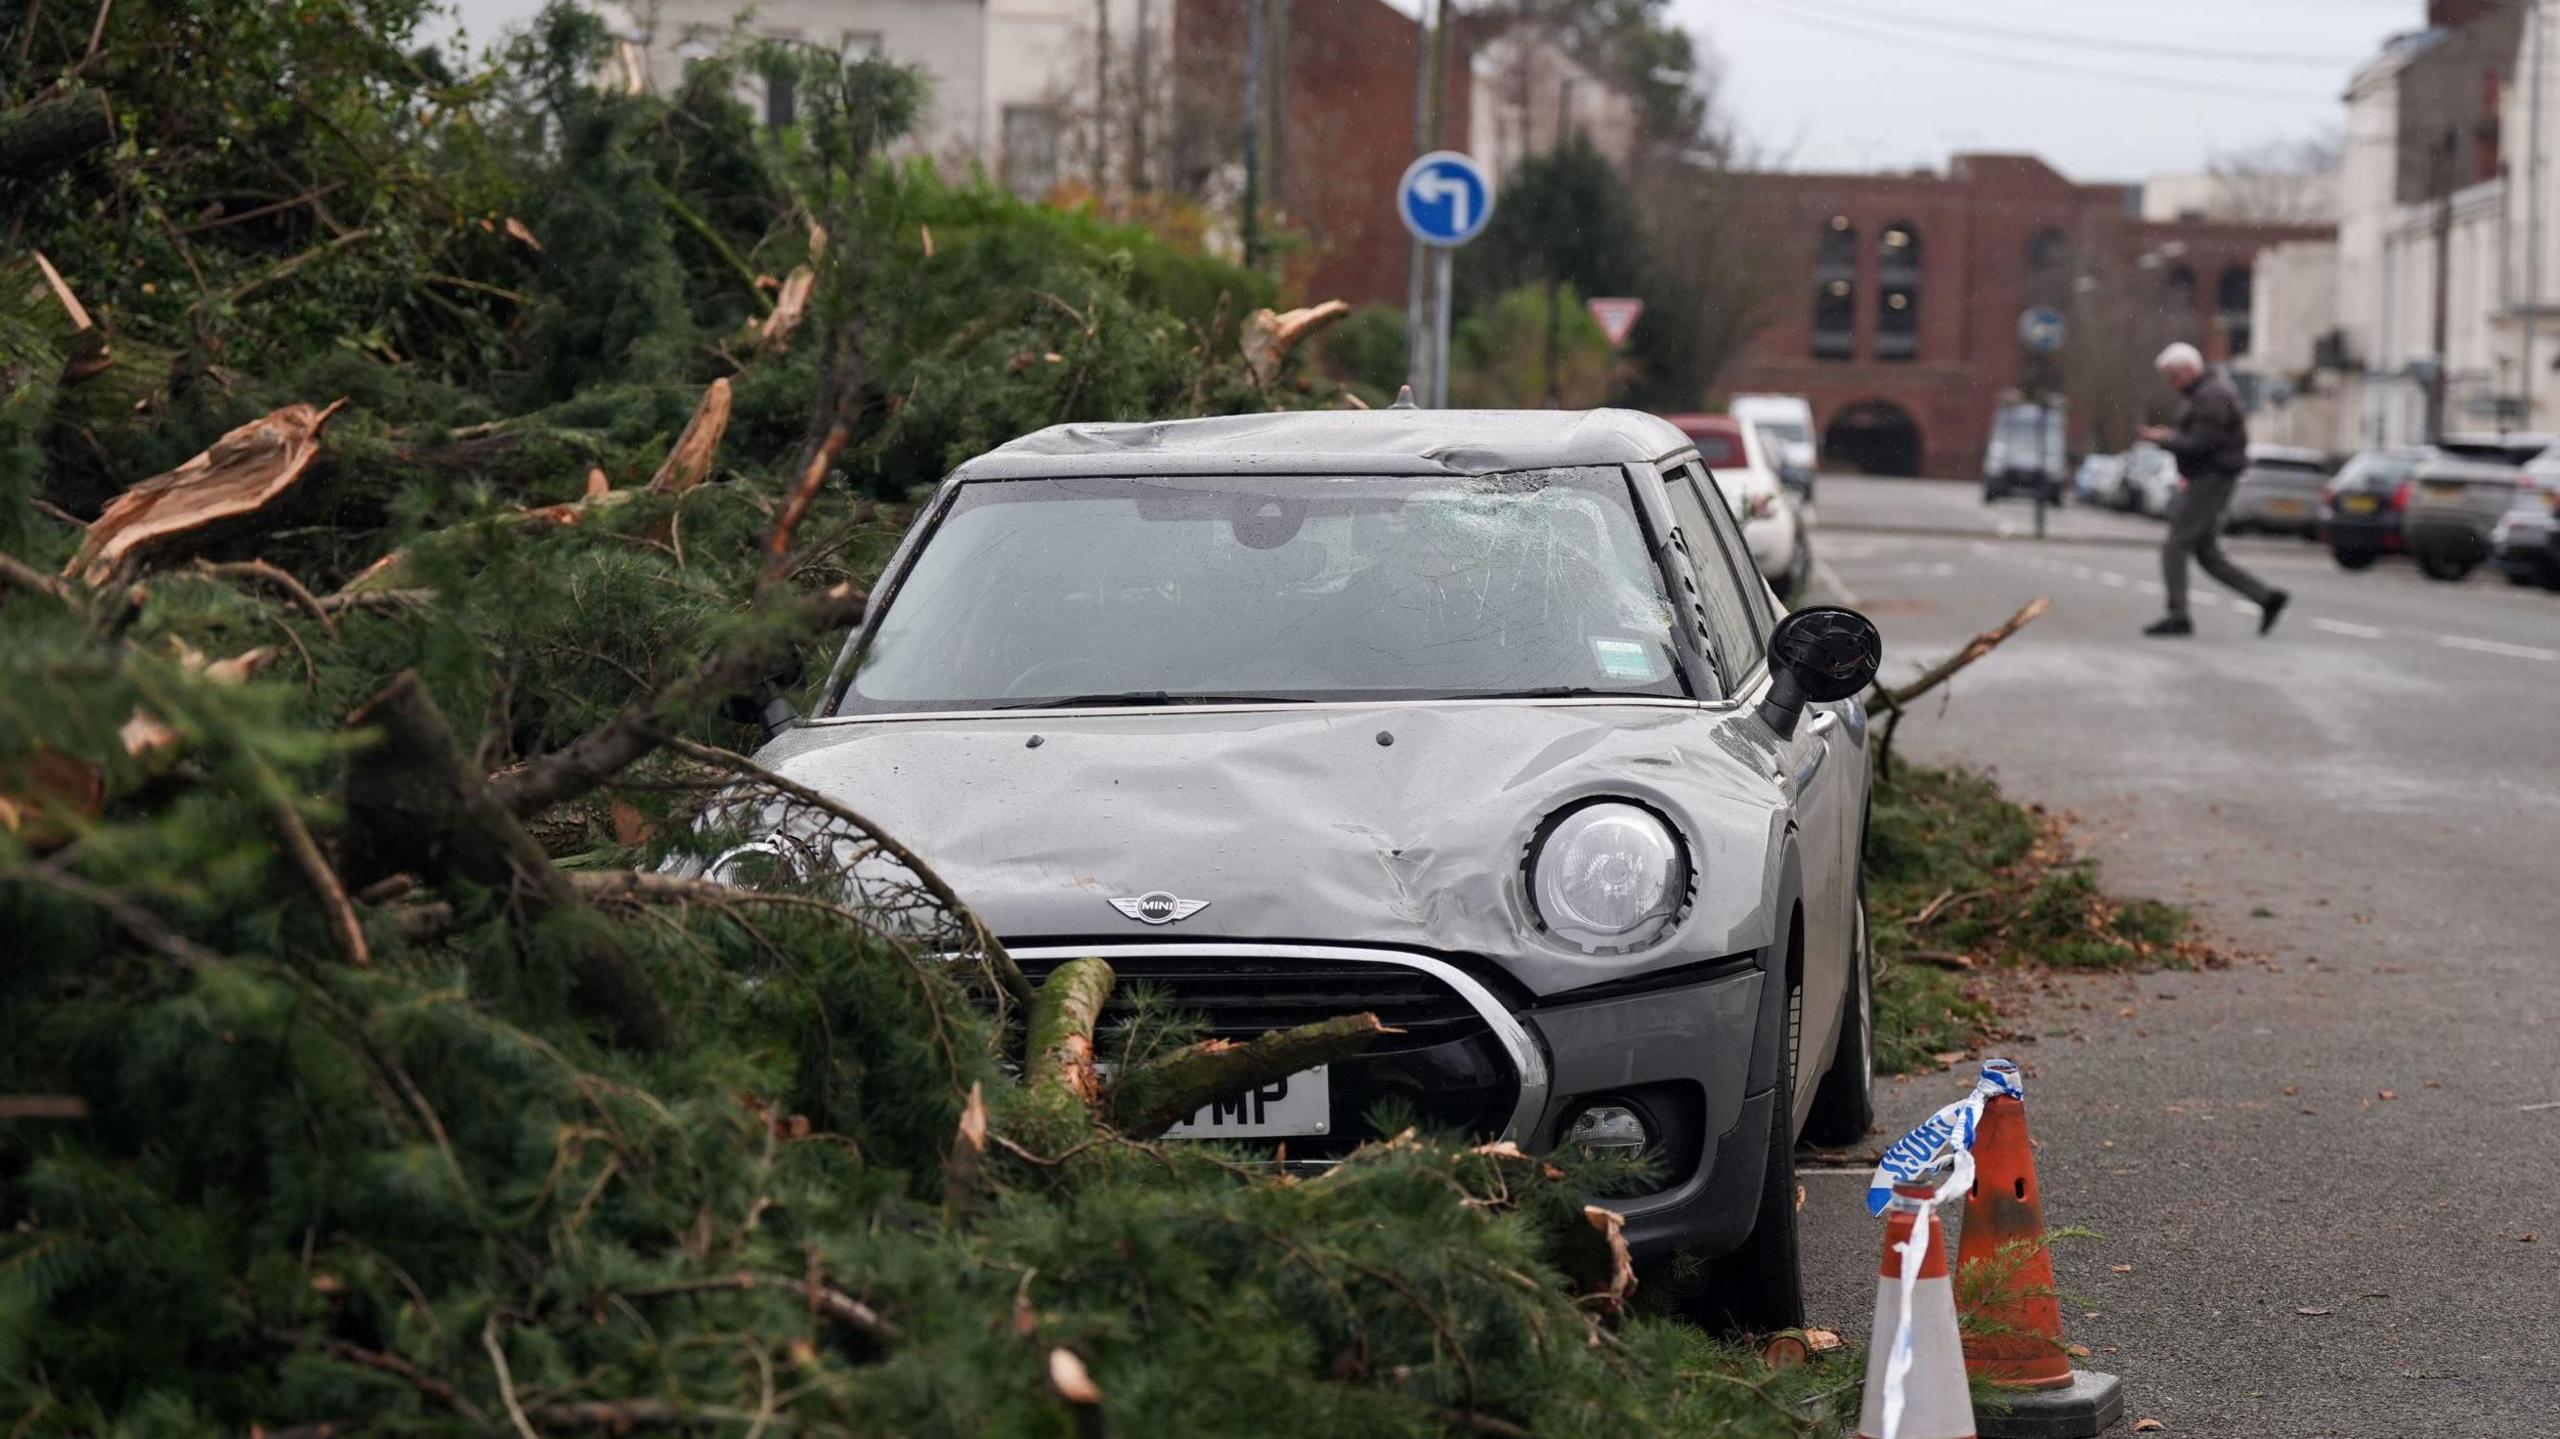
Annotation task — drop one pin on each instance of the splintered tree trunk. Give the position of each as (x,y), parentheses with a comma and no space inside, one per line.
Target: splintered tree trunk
(415,805)
(42,139)
(1058,1048)
(1149,1101)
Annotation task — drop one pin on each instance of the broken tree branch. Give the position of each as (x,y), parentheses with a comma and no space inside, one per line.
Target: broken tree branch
(241,474)
(1016,985)
(1146,1102)
(1058,1055)
(777,544)
(1974,649)
(690,460)
(605,751)
(43,139)
(415,805)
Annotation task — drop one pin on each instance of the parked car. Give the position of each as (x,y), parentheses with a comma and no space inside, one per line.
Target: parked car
(2504,448)
(2362,505)
(1794,472)
(2453,505)
(1746,473)
(2279,493)
(1478,721)
(2525,542)
(2028,452)
(1790,419)
(2151,483)
(2098,479)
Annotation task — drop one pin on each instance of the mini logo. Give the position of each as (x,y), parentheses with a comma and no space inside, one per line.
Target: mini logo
(1159,908)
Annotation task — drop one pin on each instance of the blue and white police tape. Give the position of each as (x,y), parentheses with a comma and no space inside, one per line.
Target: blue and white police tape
(1935,1140)
(1942,1141)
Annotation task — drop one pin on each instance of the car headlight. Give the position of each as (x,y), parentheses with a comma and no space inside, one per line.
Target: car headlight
(757,864)
(1608,876)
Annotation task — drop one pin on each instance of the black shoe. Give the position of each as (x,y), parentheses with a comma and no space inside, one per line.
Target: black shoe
(2174,627)
(2272,609)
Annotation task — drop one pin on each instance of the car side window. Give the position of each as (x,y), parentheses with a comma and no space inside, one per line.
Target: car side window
(1712,543)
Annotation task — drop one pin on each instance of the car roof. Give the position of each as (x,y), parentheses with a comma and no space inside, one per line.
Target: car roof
(2455,467)
(1378,442)
(2287,455)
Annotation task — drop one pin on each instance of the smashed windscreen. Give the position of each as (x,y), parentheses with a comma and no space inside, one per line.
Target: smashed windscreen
(1166,590)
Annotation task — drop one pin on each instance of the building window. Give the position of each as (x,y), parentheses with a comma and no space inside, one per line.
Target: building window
(2231,306)
(861,45)
(2180,301)
(780,95)
(2046,249)
(1031,140)
(1835,292)
(1898,292)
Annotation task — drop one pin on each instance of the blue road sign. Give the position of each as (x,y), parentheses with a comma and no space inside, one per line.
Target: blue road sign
(2040,329)
(1445,199)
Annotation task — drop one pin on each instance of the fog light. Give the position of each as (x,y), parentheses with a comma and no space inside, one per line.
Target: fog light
(1609,1129)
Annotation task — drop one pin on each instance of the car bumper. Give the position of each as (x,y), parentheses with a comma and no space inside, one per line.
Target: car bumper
(2453,538)
(2528,545)
(2379,531)
(1684,1051)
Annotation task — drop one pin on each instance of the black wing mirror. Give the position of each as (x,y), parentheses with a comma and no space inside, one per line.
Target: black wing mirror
(1816,656)
(770,705)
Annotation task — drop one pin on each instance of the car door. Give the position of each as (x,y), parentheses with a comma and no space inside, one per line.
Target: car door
(1810,766)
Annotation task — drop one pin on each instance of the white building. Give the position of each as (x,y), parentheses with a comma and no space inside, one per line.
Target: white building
(2443,173)
(1011,81)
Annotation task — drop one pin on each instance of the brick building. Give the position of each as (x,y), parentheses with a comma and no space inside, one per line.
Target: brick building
(1898,296)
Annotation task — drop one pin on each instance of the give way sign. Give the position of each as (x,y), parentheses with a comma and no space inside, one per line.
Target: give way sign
(1617,317)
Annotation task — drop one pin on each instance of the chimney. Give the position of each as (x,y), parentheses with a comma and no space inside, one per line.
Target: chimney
(2454,14)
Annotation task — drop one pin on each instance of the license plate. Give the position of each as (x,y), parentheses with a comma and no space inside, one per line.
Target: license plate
(2284,507)
(2360,504)
(1299,1104)
(2443,492)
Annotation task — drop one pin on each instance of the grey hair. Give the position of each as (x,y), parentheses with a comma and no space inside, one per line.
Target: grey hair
(2180,356)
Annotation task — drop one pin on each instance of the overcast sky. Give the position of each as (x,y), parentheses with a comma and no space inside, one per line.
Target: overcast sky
(2105,89)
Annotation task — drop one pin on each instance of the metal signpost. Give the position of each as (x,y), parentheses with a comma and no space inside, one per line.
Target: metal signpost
(2041,331)
(1445,199)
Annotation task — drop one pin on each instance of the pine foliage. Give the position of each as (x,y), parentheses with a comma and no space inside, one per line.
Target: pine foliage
(317,1113)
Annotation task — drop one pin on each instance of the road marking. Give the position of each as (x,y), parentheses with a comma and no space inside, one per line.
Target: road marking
(1829,579)
(2492,647)
(2112,581)
(2341,627)
(2081,572)
(2151,587)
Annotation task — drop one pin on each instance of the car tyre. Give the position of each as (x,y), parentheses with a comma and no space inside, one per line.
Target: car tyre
(1799,574)
(1759,1287)
(1844,1102)
(2356,559)
(2437,565)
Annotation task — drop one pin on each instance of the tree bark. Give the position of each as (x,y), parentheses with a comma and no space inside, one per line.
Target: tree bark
(42,139)
(415,805)
(1149,1101)
(1058,1051)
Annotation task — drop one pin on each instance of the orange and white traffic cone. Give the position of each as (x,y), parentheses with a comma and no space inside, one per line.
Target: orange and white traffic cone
(2019,1340)
(1923,1395)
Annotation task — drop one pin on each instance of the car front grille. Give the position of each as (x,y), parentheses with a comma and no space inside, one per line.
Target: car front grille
(1446,1066)
(1245,998)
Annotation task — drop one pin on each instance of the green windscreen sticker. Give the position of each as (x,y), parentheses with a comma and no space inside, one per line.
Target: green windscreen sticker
(1623,659)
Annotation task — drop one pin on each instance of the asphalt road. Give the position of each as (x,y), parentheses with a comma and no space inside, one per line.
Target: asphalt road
(2334,1172)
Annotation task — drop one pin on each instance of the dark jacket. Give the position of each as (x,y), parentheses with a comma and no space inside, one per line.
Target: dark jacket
(2212,442)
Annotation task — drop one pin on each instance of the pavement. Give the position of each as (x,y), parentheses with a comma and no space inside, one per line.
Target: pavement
(2328,1179)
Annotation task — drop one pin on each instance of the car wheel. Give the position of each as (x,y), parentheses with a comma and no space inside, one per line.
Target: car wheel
(2437,565)
(2521,579)
(1759,1288)
(1799,571)
(1844,1106)
(2356,559)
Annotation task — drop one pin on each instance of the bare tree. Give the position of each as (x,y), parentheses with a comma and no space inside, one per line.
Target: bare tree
(2280,182)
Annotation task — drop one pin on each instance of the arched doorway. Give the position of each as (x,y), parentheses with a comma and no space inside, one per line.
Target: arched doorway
(1875,437)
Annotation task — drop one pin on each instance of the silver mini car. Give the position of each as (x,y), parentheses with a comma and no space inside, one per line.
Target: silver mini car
(1480,721)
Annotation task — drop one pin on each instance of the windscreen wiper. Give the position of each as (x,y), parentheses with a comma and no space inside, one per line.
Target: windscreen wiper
(1138,699)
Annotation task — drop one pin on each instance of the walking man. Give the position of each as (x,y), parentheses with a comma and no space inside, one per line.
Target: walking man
(2210,442)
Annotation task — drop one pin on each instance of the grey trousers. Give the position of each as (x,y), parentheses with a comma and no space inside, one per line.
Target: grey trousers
(2197,531)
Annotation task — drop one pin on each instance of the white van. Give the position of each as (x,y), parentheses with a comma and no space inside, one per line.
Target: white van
(1789,419)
